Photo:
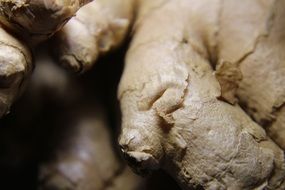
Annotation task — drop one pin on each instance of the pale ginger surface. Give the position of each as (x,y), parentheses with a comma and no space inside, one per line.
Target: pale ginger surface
(202,92)
(178,92)
(97,28)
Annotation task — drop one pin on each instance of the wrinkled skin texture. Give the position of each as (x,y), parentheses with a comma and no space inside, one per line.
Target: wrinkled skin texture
(190,66)
(24,24)
(187,64)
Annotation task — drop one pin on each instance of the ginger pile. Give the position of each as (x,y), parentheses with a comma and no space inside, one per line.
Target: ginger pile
(202,91)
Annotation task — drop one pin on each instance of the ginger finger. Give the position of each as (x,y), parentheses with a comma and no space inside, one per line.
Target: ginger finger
(37,20)
(15,67)
(96,29)
(173,114)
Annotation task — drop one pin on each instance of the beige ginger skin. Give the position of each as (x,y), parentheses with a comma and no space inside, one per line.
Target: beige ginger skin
(37,20)
(187,64)
(97,28)
(25,23)
(190,66)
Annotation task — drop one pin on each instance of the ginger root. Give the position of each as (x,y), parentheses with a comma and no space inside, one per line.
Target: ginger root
(202,93)
(15,66)
(262,89)
(23,25)
(37,20)
(97,28)
(178,92)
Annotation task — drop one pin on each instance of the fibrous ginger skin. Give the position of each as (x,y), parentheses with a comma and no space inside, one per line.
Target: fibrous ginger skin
(96,29)
(176,113)
(85,159)
(262,89)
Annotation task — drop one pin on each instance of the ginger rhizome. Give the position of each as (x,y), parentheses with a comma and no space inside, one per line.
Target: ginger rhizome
(188,65)
(203,89)
(37,20)
(24,24)
(97,28)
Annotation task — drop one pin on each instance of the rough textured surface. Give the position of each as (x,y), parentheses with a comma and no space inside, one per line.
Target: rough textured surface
(36,20)
(177,111)
(262,90)
(96,29)
(15,66)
